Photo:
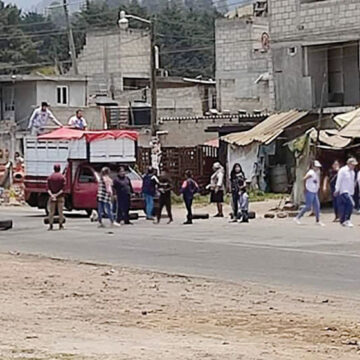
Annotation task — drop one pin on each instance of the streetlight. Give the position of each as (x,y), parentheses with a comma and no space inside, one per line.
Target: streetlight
(124,25)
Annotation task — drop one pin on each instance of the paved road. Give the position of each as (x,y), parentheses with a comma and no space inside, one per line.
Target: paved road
(273,252)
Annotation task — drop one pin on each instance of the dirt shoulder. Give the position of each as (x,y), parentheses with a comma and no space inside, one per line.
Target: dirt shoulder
(65,310)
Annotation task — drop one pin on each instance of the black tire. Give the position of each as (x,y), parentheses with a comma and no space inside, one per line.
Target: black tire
(6,225)
(89,212)
(56,220)
(201,216)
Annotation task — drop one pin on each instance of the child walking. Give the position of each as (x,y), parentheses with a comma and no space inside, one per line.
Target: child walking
(244,204)
(188,189)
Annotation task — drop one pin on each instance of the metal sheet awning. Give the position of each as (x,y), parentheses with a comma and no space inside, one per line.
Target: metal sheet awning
(351,124)
(330,139)
(267,131)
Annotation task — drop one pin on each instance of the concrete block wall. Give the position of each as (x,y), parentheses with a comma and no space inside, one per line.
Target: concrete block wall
(92,114)
(179,99)
(109,56)
(296,24)
(189,132)
(239,62)
(303,19)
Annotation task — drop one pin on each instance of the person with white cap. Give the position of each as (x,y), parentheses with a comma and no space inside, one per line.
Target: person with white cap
(344,189)
(312,186)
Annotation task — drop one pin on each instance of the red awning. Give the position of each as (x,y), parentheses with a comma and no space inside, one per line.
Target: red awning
(111,134)
(71,134)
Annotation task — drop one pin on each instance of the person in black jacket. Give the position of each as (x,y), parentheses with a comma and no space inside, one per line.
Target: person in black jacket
(164,187)
(237,180)
(124,190)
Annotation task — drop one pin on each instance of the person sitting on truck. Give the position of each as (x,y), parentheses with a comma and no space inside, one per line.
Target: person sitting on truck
(56,186)
(78,121)
(40,118)
(124,190)
(104,196)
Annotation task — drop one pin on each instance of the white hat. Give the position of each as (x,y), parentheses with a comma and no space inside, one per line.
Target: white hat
(317,164)
(352,161)
(216,166)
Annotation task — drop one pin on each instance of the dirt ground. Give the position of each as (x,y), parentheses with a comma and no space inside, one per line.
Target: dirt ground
(52,309)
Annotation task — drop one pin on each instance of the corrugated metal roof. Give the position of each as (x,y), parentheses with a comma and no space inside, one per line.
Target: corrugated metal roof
(329,138)
(266,131)
(352,121)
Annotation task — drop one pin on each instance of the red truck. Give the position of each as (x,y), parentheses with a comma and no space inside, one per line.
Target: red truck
(82,154)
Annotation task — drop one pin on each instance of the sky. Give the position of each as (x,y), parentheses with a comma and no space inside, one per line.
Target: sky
(28,4)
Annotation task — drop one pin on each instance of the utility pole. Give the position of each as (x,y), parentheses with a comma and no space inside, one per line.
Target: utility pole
(71,38)
(321,112)
(153,83)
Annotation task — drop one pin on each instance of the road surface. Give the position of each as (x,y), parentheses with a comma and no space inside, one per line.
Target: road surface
(272,252)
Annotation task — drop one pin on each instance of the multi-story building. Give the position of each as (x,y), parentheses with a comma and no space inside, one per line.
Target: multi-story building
(315,53)
(115,60)
(243,59)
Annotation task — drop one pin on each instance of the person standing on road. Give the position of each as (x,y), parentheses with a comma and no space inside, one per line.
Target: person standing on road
(40,118)
(78,121)
(164,187)
(104,196)
(312,186)
(331,180)
(188,190)
(124,190)
(344,190)
(56,187)
(217,188)
(237,180)
(149,191)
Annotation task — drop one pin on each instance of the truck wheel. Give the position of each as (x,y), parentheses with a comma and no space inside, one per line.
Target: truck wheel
(88,212)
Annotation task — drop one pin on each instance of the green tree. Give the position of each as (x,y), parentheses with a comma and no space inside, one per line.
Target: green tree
(16,48)
(186,39)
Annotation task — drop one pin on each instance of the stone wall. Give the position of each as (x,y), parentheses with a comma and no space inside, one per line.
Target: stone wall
(240,60)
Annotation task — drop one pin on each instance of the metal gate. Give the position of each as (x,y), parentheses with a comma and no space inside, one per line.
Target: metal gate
(176,160)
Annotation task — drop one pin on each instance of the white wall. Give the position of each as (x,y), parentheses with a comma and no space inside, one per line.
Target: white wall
(47,91)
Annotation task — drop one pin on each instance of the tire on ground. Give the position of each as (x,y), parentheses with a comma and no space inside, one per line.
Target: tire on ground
(6,225)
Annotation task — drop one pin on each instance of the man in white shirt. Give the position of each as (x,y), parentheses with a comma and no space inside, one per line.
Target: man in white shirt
(78,122)
(312,186)
(40,118)
(345,188)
